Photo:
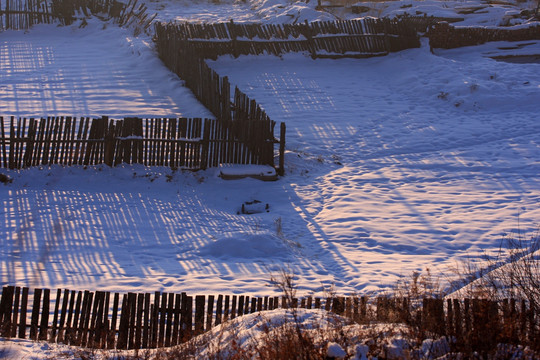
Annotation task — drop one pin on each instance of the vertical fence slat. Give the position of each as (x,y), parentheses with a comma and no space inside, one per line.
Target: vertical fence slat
(170,314)
(146,321)
(111,339)
(132,303)
(139,323)
(154,321)
(54,326)
(123,326)
(44,324)
(176,321)
(73,316)
(199,314)
(35,314)
(162,320)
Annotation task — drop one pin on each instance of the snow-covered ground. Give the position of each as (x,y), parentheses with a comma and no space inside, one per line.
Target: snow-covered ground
(250,333)
(394,164)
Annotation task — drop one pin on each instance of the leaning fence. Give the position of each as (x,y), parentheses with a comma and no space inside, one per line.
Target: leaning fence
(149,320)
(175,142)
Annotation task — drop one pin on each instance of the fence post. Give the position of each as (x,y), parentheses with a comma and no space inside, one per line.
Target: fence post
(4,162)
(283,129)
(6,309)
(386,37)
(35,314)
(12,144)
(109,142)
(205,144)
(234,42)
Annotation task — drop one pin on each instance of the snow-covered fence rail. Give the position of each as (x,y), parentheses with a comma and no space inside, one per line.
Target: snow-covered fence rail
(351,38)
(149,320)
(177,143)
(446,36)
(23,14)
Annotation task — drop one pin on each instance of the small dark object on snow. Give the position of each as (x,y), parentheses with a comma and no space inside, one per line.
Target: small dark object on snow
(254,207)
(5,179)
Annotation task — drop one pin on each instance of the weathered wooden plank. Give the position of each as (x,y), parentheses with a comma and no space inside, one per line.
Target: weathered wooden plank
(87,316)
(139,321)
(199,314)
(253,305)
(55,144)
(92,316)
(240,305)
(21,129)
(44,324)
(176,321)
(37,158)
(226,310)
(35,314)
(123,327)
(54,326)
(9,309)
(132,303)
(23,313)
(154,321)
(209,312)
(146,321)
(162,320)
(30,142)
(100,324)
(105,321)
(170,314)
(4,162)
(111,338)
(72,314)
(219,310)
(12,145)
(79,319)
(187,316)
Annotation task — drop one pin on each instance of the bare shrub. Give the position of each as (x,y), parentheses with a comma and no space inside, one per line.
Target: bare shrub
(509,280)
(513,272)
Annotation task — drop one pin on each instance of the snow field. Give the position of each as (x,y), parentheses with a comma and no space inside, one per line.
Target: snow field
(394,164)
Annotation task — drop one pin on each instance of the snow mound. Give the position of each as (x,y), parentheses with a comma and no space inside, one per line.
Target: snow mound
(246,246)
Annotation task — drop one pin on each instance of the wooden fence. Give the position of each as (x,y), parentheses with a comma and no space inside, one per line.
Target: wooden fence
(177,143)
(145,320)
(184,47)
(351,38)
(446,36)
(23,14)
(246,122)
